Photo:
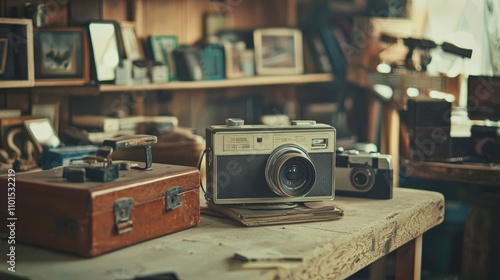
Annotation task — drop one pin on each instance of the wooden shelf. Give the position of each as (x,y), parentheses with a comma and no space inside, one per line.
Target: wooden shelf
(243,82)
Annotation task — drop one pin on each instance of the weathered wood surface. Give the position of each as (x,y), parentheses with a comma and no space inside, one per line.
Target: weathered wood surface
(331,250)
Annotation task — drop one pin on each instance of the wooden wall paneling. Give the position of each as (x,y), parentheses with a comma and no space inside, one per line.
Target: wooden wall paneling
(180,106)
(258,13)
(137,14)
(165,18)
(19,99)
(115,10)
(243,14)
(62,100)
(274,13)
(194,18)
(82,11)
(291,12)
(56,11)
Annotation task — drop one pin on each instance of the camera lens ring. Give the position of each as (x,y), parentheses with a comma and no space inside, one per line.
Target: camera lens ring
(290,172)
(362,177)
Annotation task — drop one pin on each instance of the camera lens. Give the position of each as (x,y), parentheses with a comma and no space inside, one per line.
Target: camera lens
(362,177)
(293,172)
(290,172)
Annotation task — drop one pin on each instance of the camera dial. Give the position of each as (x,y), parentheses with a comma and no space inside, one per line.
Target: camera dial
(289,171)
(362,177)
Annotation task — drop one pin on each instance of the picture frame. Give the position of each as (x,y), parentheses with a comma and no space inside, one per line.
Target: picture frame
(105,49)
(233,57)
(61,56)
(4,46)
(49,111)
(18,68)
(278,51)
(162,49)
(131,44)
(42,134)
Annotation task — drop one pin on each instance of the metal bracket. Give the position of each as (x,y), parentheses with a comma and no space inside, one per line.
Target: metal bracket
(122,210)
(173,198)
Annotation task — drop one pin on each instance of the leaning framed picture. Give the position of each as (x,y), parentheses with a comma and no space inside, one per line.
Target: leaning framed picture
(233,57)
(278,51)
(61,56)
(105,49)
(162,49)
(131,45)
(4,45)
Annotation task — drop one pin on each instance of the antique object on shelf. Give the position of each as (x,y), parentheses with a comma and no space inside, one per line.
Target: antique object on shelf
(16,53)
(188,64)
(131,44)
(278,51)
(61,56)
(212,56)
(162,49)
(105,49)
(429,129)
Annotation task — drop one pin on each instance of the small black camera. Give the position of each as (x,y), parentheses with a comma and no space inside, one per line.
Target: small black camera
(366,175)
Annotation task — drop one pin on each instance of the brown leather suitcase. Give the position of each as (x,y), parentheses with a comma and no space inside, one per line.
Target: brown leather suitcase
(92,218)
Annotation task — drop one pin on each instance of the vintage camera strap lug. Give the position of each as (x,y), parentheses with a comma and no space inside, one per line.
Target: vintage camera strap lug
(122,210)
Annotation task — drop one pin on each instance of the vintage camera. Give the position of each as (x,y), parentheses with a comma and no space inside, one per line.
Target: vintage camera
(366,175)
(486,142)
(270,164)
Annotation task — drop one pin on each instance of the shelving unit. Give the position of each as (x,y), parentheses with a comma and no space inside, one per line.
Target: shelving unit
(184,19)
(243,82)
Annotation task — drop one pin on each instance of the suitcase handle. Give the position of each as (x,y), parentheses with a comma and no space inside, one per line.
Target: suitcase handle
(129,141)
(106,171)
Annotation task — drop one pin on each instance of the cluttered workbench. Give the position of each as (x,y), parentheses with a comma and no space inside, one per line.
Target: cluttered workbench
(369,230)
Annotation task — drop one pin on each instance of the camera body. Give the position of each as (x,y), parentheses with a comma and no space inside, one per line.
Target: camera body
(366,175)
(486,142)
(270,164)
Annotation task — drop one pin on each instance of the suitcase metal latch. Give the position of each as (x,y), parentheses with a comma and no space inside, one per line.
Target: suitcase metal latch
(173,198)
(122,210)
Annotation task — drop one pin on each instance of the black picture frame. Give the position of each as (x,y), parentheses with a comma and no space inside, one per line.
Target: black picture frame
(4,45)
(61,56)
(105,48)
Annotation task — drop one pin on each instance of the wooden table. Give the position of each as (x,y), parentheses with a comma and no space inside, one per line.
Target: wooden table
(336,249)
(479,187)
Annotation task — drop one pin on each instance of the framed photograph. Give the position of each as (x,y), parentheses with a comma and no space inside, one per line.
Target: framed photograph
(105,50)
(61,56)
(17,67)
(233,56)
(42,134)
(131,44)
(4,45)
(49,111)
(162,48)
(278,51)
